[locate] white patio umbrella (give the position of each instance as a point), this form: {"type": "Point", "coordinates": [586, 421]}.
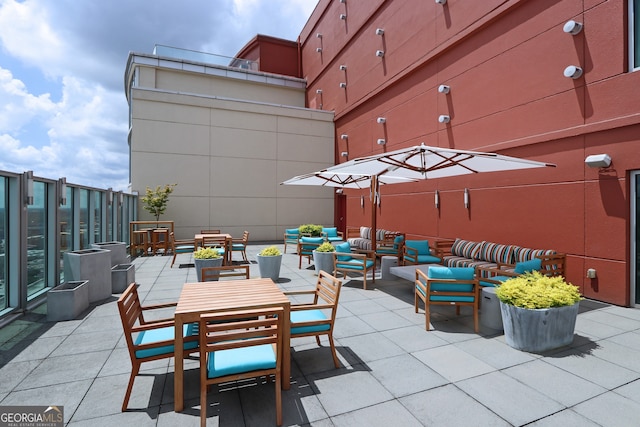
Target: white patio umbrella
{"type": "Point", "coordinates": [327, 178]}
{"type": "Point", "coordinates": [414, 163]}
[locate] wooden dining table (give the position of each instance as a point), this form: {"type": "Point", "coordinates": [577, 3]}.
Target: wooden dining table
{"type": "Point", "coordinates": [199, 241]}
{"type": "Point", "coordinates": [210, 297]}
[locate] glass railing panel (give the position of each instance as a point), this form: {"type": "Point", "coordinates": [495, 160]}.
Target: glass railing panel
{"type": "Point", "coordinates": [37, 240]}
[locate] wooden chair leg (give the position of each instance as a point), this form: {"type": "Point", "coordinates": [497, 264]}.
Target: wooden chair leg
{"type": "Point", "coordinates": [336, 362]}
{"type": "Point", "coordinates": [134, 372]}
{"type": "Point", "coordinates": [278, 398]}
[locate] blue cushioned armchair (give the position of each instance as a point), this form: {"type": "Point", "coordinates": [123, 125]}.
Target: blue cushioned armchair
{"type": "Point", "coordinates": [186, 246]}
{"type": "Point", "coordinates": [447, 286]}
{"type": "Point", "coordinates": [419, 252]}
{"type": "Point", "coordinates": [345, 261]}
{"type": "Point", "coordinates": [331, 234]}
{"type": "Point", "coordinates": [493, 277]}
{"type": "Point", "coordinates": [291, 236]}
{"type": "Point", "coordinates": [391, 245]}
{"type": "Point", "coordinates": [306, 246]}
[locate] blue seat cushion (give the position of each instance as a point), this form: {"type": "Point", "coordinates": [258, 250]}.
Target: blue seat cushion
{"type": "Point", "coordinates": [531, 265]}
{"type": "Point", "coordinates": [184, 248]}
{"type": "Point", "coordinates": [238, 360]}
{"type": "Point", "coordinates": [344, 248]}
{"type": "Point", "coordinates": [498, 278]}
{"type": "Point", "coordinates": [238, 247]}
{"type": "Point", "coordinates": [354, 266]}
{"type": "Point", "coordinates": [428, 259]}
{"type": "Point", "coordinates": [164, 334]}
{"type": "Point", "coordinates": [331, 231]}
{"type": "Point", "coordinates": [437, 298]}
{"type": "Point", "coordinates": [422, 246]}
{"type": "Point", "coordinates": [308, 316]}
{"type": "Point", "coordinates": [451, 273]}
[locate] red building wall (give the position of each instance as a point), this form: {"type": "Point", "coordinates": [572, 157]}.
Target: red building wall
{"type": "Point", "coordinates": [504, 62]}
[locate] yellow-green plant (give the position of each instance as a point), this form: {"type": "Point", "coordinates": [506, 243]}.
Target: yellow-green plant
{"type": "Point", "coordinates": [206, 253]}
{"type": "Point", "coordinates": [326, 247]}
{"type": "Point", "coordinates": [535, 290]}
{"type": "Point", "coordinates": [270, 251]}
{"type": "Point", "coordinates": [311, 230]}
{"type": "Point", "coordinates": [155, 201]}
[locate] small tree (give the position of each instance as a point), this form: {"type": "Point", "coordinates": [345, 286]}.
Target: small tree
{"type": "Point", "coordinates": [155, 201]}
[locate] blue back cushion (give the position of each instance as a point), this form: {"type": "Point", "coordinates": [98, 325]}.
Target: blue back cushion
{"type": "Point", "coordinates": [292, 231]}
{"type": "Point", "coordinates": [315, 240]}
{"type": "Point", "coordinates": [422, 246]}
{"type": "Point", "coordinates": [331, 231]}
{"type": "Point", "coordinates": [451, 273]}
{"type": "Point", "coordinates": [397, 241]}
{"type": "Point", "coordinates": [344, 248]}
{"type": "Point", "coordinates": [524, 266]}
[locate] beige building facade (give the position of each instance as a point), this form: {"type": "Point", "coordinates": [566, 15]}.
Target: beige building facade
{"type": "Point", "coordinates": [227, 137]}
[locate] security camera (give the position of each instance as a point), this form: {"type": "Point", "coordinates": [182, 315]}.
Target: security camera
{"type": "Point", "coordinates": [379, 32]}
{"type": "Point", "coordinates": [572, 27]}
{"type": "Point", "coordinates": [319, 91]}
{"type": "Point", "coordinates": [318, 49]}
{"type": "Point", "coordinates": [573, 72]}
{"type": "Point", "coordinates": [319, 35]}
{"type": "Point", "coordinates": [381, 120]}
{"type": "Point", "coordinates": [343, 68]}
{"type": "Point", "coordinates": [344, 136]}
{"type": "Point", "coordinates": [343, 16]}
{"type": "Point", "coordinates": [444, 89]}
{"type": "Point", "coordinates": [343, 85]}
{"type": "Point", "coordinates": [380, 53]}
{"type": "Point", "coordinates": [344, 154]}
{"type": "Point", "coordinates": [444, 119]}
{"type": "Point", "coordinates": [441, 1]}
{"type": "Point", "coordinates": [382, 141]}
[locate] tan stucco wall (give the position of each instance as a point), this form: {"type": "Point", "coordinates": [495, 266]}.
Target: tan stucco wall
{"type": "Point", "coordinates": [228, 156]}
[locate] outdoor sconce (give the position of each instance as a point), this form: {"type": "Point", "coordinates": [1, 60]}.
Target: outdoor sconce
{"type": "Point", "coordinates": [343, 1]}
{"type": "Point", "coordinates": [343, 68]}
{"type": "Point", "coordinates": [436, 199]}
{"type": "Point", "coordinates": [379, 53]}
{"type": "Point", "coordinates": [28, 184]}
{"type": "Point", "coordinates": [339, 191]}
{"type": "Point", "coordinates": [379, 32]}
{"type": "Point", "coordinates": [343, 85]}
{"type": "Point", "coordinates": [465, 197]}
{"type": "Point", "coordinates": [344, 136]}
{"type": "Point", "coordinates": [382, 141]}
{"type": "Point", "coordinates": [381, 120]}
{"type": "Point", "coordinates": [344, 153]}
{"type": "Point", "coordinates": [598, 161]}
{"type": "Point", "coordinates": [572, 27]}
{"type": "Point", "coordinates": [343, 16]}
{"type": "Point", "coordinates": [362, 202]}
{"type": "Point", "coordinates": [120, 198]}
{"type": "Point", "coordinates": [444, 89]}
{"type": "Point", "coordinates": [62, 185]}
{"type": "Point", "coordinates": [319, 49]}
{"type": "Point", "coordinates": [573, 71]}
{"type": "Point", "coordinates": [441, 1]}
{"type": "Point", "coordinates": [110, 196]}
{"type": "Point", "coordinates": [319, 91]}
{"type": "Point", "coordinates": [319, 35]}
{"type": "Point", "coordinates": [444, 118]}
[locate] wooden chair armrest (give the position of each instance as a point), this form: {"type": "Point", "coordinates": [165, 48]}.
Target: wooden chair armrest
{"type": "Point", "coordinates": [308, 292]}
{"type": "Point", "coordinates": [300, 307]}
{"type": "Point", "coordinates": [157, 306]}
{"type": "Point", "coordinates": [154, 324]}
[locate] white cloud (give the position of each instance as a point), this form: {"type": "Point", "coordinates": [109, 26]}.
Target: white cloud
{"type": "Point", "coordinates": [81, 47]}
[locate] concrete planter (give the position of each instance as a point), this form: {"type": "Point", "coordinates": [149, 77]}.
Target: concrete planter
{"type": "Point", "coordinates": [67, 301]}
{"type": "Point", "coordinates": [269, 266]}
{"type": "Point", "coordinates": [122, 275]}
{"type": "Point", "coordinates": [118, 251]}
{"type": "Point", "coordinates": [538, 330]}
{"type": "Point", "coordinates": [93, 265]}
{"type": "Point", "coordinates": [200, 263]}
{"type": "Point", "coordinates": [323, 261]}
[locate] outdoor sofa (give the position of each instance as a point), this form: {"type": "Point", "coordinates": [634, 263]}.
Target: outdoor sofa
{"type": "Point", "coordinates": [360, 238]}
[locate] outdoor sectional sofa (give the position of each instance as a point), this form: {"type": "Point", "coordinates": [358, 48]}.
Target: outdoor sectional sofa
{"type": "Point", "coordinates": [360, 238]}
{"type": "Point", "coordinates": [466, 253]}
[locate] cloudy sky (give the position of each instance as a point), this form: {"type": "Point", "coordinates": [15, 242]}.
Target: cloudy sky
{"type": "Point", "coordinates": [63, 110]}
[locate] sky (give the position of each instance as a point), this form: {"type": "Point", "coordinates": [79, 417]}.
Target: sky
{"type": "Point", "coordinates": [63, 110]}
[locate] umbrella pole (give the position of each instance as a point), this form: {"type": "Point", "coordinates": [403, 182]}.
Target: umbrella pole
{"type": "Point", "coordinates": [374, 191]}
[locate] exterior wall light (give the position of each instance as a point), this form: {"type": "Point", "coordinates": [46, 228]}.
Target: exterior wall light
{"type": "Point", "coordinates": [343, 85]}
{"type": "Point", "coordinates": [319, 35]}
{"type": "Point", "coordinates": [572, 27]}
{"type": "Point", "coordinates": [28, 187]}
{"type": "Point", "coordinates": [343, 68]}
{"type": "Point", "coordinates": [319, 91]}
{"type": "Point", "coordinates": [319, 49]}
{"type": "Point", "coordinates": [441, 1]}
{"type": "Point", "coordinates": [573, 71]}
{"type": "Point", "coordinates": [382, 141]}
{"type": "Point", "coordinates": [343, 16]}
{"type": "Point", "coordinates": [380, 53]}
{"type": "Point", "coordinates": [381, 120]}
{"type": "Point", "coordinates": [344, 136]}
{"type": "Point", "coordinates": [379, 32]}
{"type": "Point", "coordinates": [444, 118]}
{"type": "Point", "coordinates": [62, 184]}
{"type": "Point", "coordinates": [465, 198]}
{"type": "Point", "coordinates": [344, 153]}
{"type": "Point", "coordinates": [598, 161]}
{"type": "Point", "coordinates": [444, 89]}
{"type": "Point", "coordinates": [436, 199]}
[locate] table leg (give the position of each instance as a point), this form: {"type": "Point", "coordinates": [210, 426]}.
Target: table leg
{"type": "Point", "coordinates": [178, 375]}
{"type": "Point", "coordinates": [286, 348]}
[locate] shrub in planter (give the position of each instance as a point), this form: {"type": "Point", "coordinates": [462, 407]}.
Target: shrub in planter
{"type": "Point", "coordinates": [269, 261]}
{"type": "Point", "coordinates": [310, 230]}
{"type": "Point", "coordinates": [323, 257]}
{"type": "Point", "coordinates": [538, 312]}
{"type": "Point", "coordinates": [206, 257]}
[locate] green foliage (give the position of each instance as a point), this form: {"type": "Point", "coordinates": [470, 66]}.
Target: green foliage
{"type": "Point", "coordinates": [206, 253]}
{"type": "Point", "coordinates": [270, 251]}
{"type": "Point", "coordinates": [155, 201]}
{"type": "Point", "coordinates": [535, 290]}
{"type": "Point", "coordinates": [326, 247]}
{"type": "Point", "coordinates": [310, 230]}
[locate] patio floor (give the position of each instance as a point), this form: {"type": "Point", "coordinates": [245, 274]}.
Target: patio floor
{"type": "Point", "coordinates": [394, 372]}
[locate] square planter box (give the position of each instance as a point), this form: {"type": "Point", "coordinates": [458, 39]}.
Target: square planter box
{"type": "Point", "coordinates": [122, 275]}
{"type": "Point", "coordinates": [67, 301]}
{"type": "Point", "coordinates": [118, 251]}
{"type": "Point", "coordinates": [93, 265]}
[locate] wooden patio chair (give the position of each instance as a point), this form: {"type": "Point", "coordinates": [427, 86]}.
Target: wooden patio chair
{"type": "Point", "coordinates": [240, 245]}
{"type": "Point", "coordinates": [237, 345]}
{"type": "Point", "coordinates": [456, 286]}
{"type": "Point", "coordinates": [310, 318]}
{"type": "Point", "coordinates": [291, 236]}
{"type": "Point", "coordinates": [208, 274]}
{"type": "Point", "coordinates": [220, 243]}
{"type": "Point", "coordinates": [183, 246]}
{"type": "Point", "coordinates": [306, 246]}
{"type": "Point", "coordinates": [345, 261]}
{"type": "Point", "coordinates": [149, 340]}
{"type": "Point", "coordinates": [210, 231]}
